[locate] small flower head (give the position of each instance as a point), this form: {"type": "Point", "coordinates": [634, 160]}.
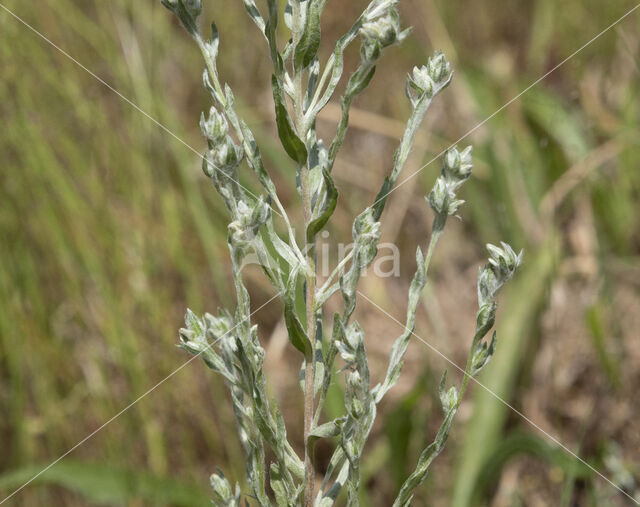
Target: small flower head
{"type": "Point", "coordinates": [449, 399]}
{"type": "Point", "coordinates": [215, 128]}
{"type": "Point", "coordinates": [384, 30]}
{"type": "Point", "coordinates": [504, 261]}
{"type": "Point", "coordinates": [380, 29]}
{"type": "Point", "coordinates": [353, 343]}
{"type": "Point", "coordinates": [439, 68]}
{"type": "Point", "coordinates": [430, 79]}
{"type": "Point", "coordinates": [442, 197]}
{"type": "Point", "coordinates": [223, 155]}
{"type": "Point", "coordinates": [247, 220]}
{"type": "Point", "coordinates": [366, 234]}
{"type": "Point", "coordinates": [457, 165]}
{"type": "Point", "coordinates": [501, 267]}
{"type": "Point", "coordinates": [192, 338]}
{"type": "Point", "coordinates": [456, 169]}
{"type": "Point", "coordinates": [346, 352]}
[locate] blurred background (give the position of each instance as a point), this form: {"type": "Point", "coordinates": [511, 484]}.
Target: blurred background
{"type": "Point", "coordinates": [109, 231]}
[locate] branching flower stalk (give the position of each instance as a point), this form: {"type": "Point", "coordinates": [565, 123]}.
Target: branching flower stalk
{"type": "Point", "coordinates": [302, 87]}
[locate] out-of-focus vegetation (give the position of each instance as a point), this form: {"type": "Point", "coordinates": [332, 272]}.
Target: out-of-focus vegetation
{"type": "Point", "coordinates": [100, 251]}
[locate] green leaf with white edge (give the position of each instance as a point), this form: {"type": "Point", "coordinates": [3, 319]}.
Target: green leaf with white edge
{"type": "Point", "coordinates": [381, 198]}
{"type": "Point", "coordinates": [193, 322]}
{"type": "Point", "coordinates": [307, 48]}
{"type": "Point", "coordinates": [270, 32]}
{"type": "Point", "coordinates": [330, 201]}
{"type": "Point", "coordinates": [276, 481]}
{"type": "Point", "coordinates": [482, 355]}
{"type": "Point", "coordinates": [187, 12]}
{"type": "Point", "coordinates": [254, 14]}
{"type": "Point", "coordinates": [281, 247]}
{"type": "Point", "coordinates": [326, 430]}
{"type": "Point", "coordinates": [292, 144]}
{"type": "Point", "coordinates": [297, 335]}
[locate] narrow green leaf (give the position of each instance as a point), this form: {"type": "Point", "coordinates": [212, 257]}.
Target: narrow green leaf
{"type": "Point", "coordinates": [360, 80]}
{"type": "Point", "coordinates": [297, 334]}
{"type": "Point", "coordinates": [270, 33]}
{"type": "Point", "coordinates": [327, 430]}
{"type": "Point", "coordinates": [328, 208]}
{"type": "Point", "coordinates": [381, 198]}
{"type": "Point", "coordinates": [277, 484]}
{"type": "Point", "coordinates": [187, 14]}
{"type": "Point", "coordinates": [307, 48]}
{"type": "Point", "coordinates": [254, 14]}
{"type": "Point", "coordinates": [292, 144]}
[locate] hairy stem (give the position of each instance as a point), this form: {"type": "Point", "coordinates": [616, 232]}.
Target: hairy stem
{"type": "Point", "coordinates": [310, 274]}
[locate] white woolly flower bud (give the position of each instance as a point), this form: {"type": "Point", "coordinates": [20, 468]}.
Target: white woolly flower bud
{"type": "Point", "coordinates": [438, 67]}
{"type": "Point", "coordinates": [449, 399]}
{"type": "Point", "coordinates": [442, 197]}
{"type": "Point", "coordinates": [381, 28]}
{"type": "Point", "coordinates": [215, 128]}
{"type": "Point", "coordinates": [504, 261]}
{"type": "Point", "coordinates": [430, 79]}
{"type": "Point", "coordinates": [247, 221]}
{"type": "Point", "coordinates": [366, 234]}
{"type": "Point", "coordinates": [421, 81]}
{"type": "Point", "coordinates": [457, 165]}
{"type": "Point", "coordinates": [501, 267]}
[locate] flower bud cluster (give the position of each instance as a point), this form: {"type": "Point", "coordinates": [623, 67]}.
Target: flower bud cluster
{"type": "Point", "coordinates": [198, 335]}
{"type": "Point", "coordinates": [430, 79]}
{"type": "Point", "coordinates": [366, 234]}
{"type": "Point", "coordinates": [501, 267]}
{"type": "Point", "coordinates": [247, 219]}
{"type": "Point", "coordinates": [482, 354]}
{"type": "Point", "coordinates": [215, 128]}
{"type": "Point", "coordinates": [353, 341]}
{"type": "Point", "coordinates": [352, 351]}
{"type": "Point", "coordinates": [355, 394]}
{"type": "Point", "coordinates": [456, 169]}
{"type": "Point", "coordinates": [223, 495]}
{"type": "Point", "coordinates": [504, 261]}
{"type": "Point", "coordinates": [380, 29]}
{"type": "Point", "coordinates": [448, 399]}
{"type": "Point", "coordinates": [223, 155]}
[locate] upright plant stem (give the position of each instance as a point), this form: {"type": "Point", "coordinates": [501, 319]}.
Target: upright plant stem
{"type": "Point", "coordinates": [309, 371]}
{"type": "Point", "coordinates": [310, 275]}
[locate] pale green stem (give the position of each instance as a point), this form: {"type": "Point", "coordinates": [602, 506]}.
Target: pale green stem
{"type": "Point", "coordinates": [310, 272]}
